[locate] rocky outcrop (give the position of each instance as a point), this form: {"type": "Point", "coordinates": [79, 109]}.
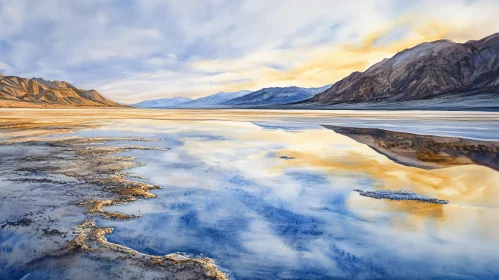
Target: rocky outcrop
{"type": "Point", "coordinates": [400, 195]}
{"type": "Point", "coordinates": [37, 92]}
{"type": "Point", "coordinates": [425, 71]}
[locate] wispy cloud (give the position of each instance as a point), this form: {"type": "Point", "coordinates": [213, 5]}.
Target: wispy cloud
{"type": "Point", "coordinates": [134, 50]}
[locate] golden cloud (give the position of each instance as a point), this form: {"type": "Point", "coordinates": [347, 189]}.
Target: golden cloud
{"type": "Point", "coordinates": [309, 67]}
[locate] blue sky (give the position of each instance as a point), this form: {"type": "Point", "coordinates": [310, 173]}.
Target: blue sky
{"type": "Point", "coordinates": [136, 50]}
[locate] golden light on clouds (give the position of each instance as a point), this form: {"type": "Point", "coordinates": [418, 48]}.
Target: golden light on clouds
{"type": "Point", "coordinates": [317, 66]}
{"type": "Point", "coordinates": [271, 44]}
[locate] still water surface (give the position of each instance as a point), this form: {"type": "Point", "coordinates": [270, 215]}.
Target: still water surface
{"type": "Point", "coordinates": [274, 199]}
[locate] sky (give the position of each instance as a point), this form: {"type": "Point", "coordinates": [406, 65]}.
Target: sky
{"type": "Point", "coordinates": [137, 50]}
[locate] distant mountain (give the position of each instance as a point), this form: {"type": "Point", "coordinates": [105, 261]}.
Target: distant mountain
{"type": "Point", "coordinates": [274, 96]}
{"type": "Point", "coordinates": [37, 92]}
{"type": "Point", "coordinates": [318, 90]}
{"type": "Point", "coordinates": [429, 70]}
{"type": "Point", "coordinates": [213, 100]}
{"type": "Point", "coordinates": [162, 103]}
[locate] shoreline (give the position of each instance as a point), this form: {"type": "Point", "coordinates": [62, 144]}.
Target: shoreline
{"type": "Point", "coordinates": [87, 164]}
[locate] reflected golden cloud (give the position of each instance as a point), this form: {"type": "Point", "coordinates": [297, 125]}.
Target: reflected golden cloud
{"type": "Point", "coordinates": [469, 188]}
{"type": "Point", "coordinates": [468, 184]}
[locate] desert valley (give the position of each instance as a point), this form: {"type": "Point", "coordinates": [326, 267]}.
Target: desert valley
{"type": "Point", "coordinates": [390, 171]}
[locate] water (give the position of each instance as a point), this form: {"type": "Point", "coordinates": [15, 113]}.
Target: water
{"type": "Point", "coordinates": [227, 194]}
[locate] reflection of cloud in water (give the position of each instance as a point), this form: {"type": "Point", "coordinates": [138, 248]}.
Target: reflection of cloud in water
{"type": "Point", "coordinates": [263, 217]}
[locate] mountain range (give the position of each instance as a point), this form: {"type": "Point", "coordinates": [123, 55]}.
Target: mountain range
{"type": "Point", "coordinates": [434, 75]}
{"type": "Point", "coordinates": [213, 100]}
{"type": "Point", "coordinates": [439, 69]}
{"type": "Point", "coordinates": [37, 92]}
{"type": "Point", "coordinates": [239, 99]}
{"type": "Point", "coordinates": [163, 103]}
{"type": "Point", "coordinates": [273, 96]}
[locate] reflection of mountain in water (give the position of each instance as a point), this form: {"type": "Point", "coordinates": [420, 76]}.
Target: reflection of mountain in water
{"type": "Point", "coordinates": [425, 151]}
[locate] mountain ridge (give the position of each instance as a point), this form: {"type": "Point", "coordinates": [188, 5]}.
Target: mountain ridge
{"type": "Point", "coordinates": [37, 92]}
{"type": "Point", "coordinates": [214, 99]}
{"type": "Point", "coordinates": [170, 102]}
{"type": "Point", "coordinates": [240, 99]}
{"type": "Point", "coordinates": [274, 96]}
{"type": "Point", "coordinates": [424, 71]}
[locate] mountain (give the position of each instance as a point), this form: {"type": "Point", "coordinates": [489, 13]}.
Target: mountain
{"type": "Point", "coordinates": [317, 90]}
{"type": "Point", "coordinates": [214, 99]}
{"type": "Point", "coordinates": [37, 92]}
{"type": "Point", "coordinates": [274, 96]}
{"type": "Point", "coordinates": [429, 70]}
{"type": "Point", "coordinates": [162, 103]}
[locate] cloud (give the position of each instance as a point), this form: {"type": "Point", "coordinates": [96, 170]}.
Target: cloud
{"type": "Point", "coordinates": [319, 65]}
{"type": "Point", "coordinates": [126, 43]}
{"type": "Point", "coordinates": [134, 50]}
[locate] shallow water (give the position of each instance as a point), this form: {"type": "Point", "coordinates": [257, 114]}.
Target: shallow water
{"type": "Point", "coordinates": [273, 198]}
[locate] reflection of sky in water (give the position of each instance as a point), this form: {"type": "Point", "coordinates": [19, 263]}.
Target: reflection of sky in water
{"type": "Point", "coordinates": [228, 195]}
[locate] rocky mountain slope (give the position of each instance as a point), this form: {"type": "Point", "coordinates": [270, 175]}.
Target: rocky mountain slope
{"type": "Point", "coordinates": [163, 103]}
{"type": "Point", "coordinates": [214, 99]}
{"type": "Point", "coordinates": [274, 96]}
{"type": "Point", "coordinates": [426, 71]}
{"type": "Point", "coordinates": [37, 92]}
